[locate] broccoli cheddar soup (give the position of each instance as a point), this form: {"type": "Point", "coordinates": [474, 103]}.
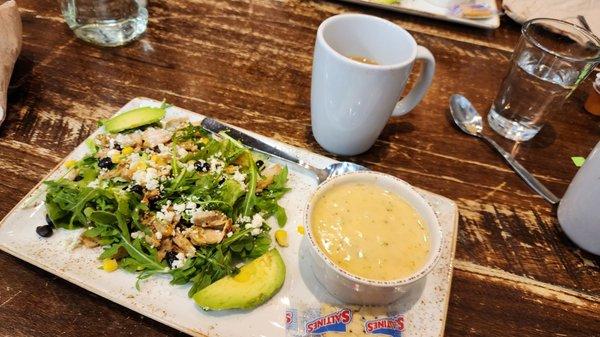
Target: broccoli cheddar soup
{"type": "Point", "coordinates": [370, 232]}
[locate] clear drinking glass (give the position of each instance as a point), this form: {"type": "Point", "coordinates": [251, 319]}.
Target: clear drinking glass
{"type": "Point", "coordinates": [551, 59]}
{"type": "Point", "coordinates": [107, 23]}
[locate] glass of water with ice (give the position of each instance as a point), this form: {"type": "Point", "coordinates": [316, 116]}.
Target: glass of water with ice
{"type": "Point", "coordinates": [107, 23]}
{"type": "Point", "coordinates": [551, 59]}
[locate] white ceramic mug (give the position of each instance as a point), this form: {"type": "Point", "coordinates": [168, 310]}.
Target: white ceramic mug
{"type": "Point", "coordinates": [579, 211]}
{"type": "Point", "coordinates": [352, 101]}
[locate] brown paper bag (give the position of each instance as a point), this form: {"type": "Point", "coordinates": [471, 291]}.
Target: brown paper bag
{"type": "Point", "coordinates": [10, 47]}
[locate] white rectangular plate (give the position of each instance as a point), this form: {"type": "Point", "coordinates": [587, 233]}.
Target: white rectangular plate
{"type": "Point", "coordinates": [428, 10]}
{"type": "Point", "coordinates": [170, 304]}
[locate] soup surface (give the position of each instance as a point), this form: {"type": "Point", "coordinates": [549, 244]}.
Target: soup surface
{"type": "Point", "coordinates": [370, 232]}
{"type": "Point", "coordinates": [363, 59]}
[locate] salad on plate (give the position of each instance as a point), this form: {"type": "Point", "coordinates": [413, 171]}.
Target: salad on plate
{"type": "Point", "coordinates": [163, 196]}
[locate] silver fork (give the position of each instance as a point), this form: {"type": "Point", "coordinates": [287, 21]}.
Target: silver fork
{"type": "Point", "coordinates": [321, 174]}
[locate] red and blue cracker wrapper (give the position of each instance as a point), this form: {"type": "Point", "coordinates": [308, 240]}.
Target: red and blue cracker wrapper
{"type": "Point", "coordinates": [342, 321]}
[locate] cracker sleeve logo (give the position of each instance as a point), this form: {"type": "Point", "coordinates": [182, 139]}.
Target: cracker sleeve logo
{"type": "Point", "coordinates": [334, 322]}
{"type": "Point", "coordinates": [291, 319]}
{"type": "Point", "coordinates": [389, 326]}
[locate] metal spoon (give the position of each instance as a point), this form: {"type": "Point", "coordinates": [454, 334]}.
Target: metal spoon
{"type": "Point", "coordinates": [321, 174]}
{"type": "Point", "coordinates": [469, 121]}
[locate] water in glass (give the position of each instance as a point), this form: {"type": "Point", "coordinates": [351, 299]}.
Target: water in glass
{"type": "Point", "coordinates": [550, 60]}
{"type": "Point", "coordinates": [106, 23]}
{"type": "Point", "coordinates": [529, 92]}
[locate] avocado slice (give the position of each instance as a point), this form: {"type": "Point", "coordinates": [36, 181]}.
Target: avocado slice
{"type": "Point", "coordinates": [256, 282]}
{"type": "Point", "coordinates": [134, 118]}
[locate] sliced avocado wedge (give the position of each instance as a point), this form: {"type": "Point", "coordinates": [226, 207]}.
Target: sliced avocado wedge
{"type": "Point", "coordinates": [134, 118]}
{"type": "Point", "coordinates": [256, 282]}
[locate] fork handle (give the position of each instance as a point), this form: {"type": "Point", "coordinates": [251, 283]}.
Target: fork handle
{"type": "Point", "coordinates": [215, 126]}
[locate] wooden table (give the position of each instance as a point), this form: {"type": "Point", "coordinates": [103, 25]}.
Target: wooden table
{"type": "Point", "coordinates": [249, 63]}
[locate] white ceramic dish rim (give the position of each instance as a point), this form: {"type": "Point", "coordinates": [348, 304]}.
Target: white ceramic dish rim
{"type": "Point", "coordinates": [422, 272]}
{"type": "Point", "coordinates": [491, 23]}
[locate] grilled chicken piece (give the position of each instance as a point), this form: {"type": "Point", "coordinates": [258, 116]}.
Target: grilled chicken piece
{"type": "Point", "coordinates": [211, 219]}
{"type": "Point", "coordinates": [184, 244]}
{"type": "Point", "coordinates": [269, 174]}
{"type": "Point", "coordinates": [152, 240]}
{"type": "Point", "coordinates": [152, 137]}
{"type": "Point", "coordinates": [165, 246]}
{"type": "Point", "coordinates": [210, 227]}
{"type": "Point", "coordinates": [175, 123]}
{"type": "Point", "coordinates": [89, 242]}
{"type": "Point", "coordinates": [149, 195]}
{"type": "Point", "coordinates": [120, 171]}
{"type": "Point", "coordinates": [201, 236]}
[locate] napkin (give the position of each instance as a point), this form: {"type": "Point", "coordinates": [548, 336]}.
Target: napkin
{"type": "Point", "coordinates": [567, 10]}
{"type": "Point", "coordinates": [10, 47]}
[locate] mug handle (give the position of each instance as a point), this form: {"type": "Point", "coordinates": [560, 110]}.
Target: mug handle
{"type": "Point", "coordinates": [415, 96]}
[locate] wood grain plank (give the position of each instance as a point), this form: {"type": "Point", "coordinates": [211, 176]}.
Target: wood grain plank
{"type": "Point", "coordinates": [35, 303]}
{"type": "Point", "coordinates": [489, 305]}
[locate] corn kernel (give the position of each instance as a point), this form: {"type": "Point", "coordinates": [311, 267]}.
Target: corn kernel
{"type": "Point", "coordinates": [140, 166]}
{"type": "Point", "coordinates": [127, 150]}
{"type": "Point", "coordinates": [281, 236]}
{"type": "Point", "coordinates": [70, 163]}
{"type": "Point", "coordinates": [110, 265]}
{"type": "Point", "coordinates": [230, 169]}
{"type": "Point", "coordinates": [158, 159]}
{"type": "Point", "coordinates": [116, 158]}
{"type": "Point", "coordinates": [204, 140]}
{"type": "Point", "coordinates": [300, 230]}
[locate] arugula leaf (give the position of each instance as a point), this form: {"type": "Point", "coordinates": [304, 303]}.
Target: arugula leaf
{"type": "Point", "coordinates": [267, 200]}
{"type": "Point", "coordinates": [249, 200]}
{"type": "Point", "coordinates": [230, 192]}
{"type": "Point", "coordinates": [144, 261]}
{"type": "Point", "coordinates": [103, 218]}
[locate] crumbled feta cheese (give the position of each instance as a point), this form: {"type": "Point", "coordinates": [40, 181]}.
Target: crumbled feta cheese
{"type": "Point", "coordinates": [166, 216]}
{"type": "Point", "coordinates": [158, 235]}
{"type": "Point", "coordinates": [256, 231]}
{"type": "Point", "coordinates": [112, 153]}
{"type": "Point", "coordinates": [239, 177]}
{"type": "Point", "coordinates": [179, 261]}
{"type": "Point", "coordinates": [243, 219]}
{"type": "Point", "coordinates": [133, 159]}
{"type": "Point", "coordinates": [190, 205]}
{"type": "Point", "coordinates": [151, 173]}
{"type": "Point", "coordinates": [137, 234]}
{"type": "Point", "coordinates": [229, 234]}
{"type": "Point", "coordinates": [139, 177]}
{"type": "Point", "coordinates": [181, 151]}
{"type": "Point", "coordinates": [94, 183]}
{"type": "Point", "coordinates": [257, 221]}
{"type": "Point", "coordinates": [152, 184]}
{"type": "Point", "coordinates": [179, 208]}
{"type": "Point", "coordinates": [162, 148]}
{"type": "Point", "coordinates": [190, 167]}
{"type": "Point", "coordinates": [216, 165]}
{"type": "Point", "coordinates": [147, 178]}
